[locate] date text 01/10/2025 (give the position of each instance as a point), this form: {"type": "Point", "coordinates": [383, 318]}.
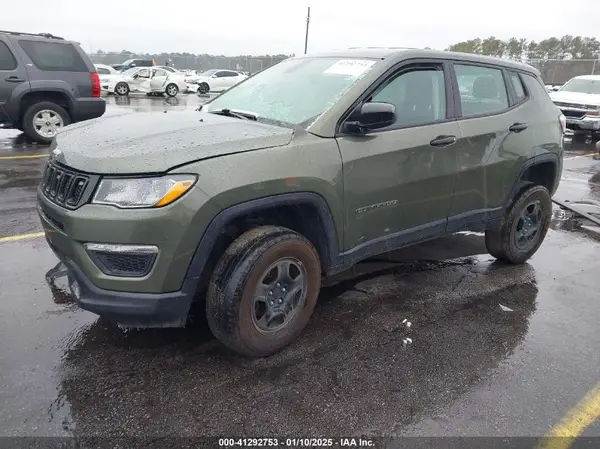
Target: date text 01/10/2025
{"type": "Point", "coordinates": [295, 442]}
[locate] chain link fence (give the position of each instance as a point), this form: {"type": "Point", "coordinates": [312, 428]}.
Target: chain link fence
{"type": "Point", "coordinates": [559, 71]}
{"type": "Point", "coordinates": [553, 71]}
{"type": "Point", "coordinates": [251, 64]}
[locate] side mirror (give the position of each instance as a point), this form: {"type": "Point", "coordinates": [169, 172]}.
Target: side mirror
{"type": "Point", "coordinates": [372, 115]}
{"type": "Point", "coordinates": [132, 64]}
{"type": "Point", "coordinates": [555, 88]}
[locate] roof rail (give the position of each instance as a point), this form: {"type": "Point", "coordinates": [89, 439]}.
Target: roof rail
{"type": "Point", "coordinates": [46, 35]}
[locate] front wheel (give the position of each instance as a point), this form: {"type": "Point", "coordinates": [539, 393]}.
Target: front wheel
{"type": "Point", "coordinates": [172, 90]}
{"type": "Point", "coordinates": [203, 88]}
{"type": "Point", "coordinates": [122, 88]}
{"type": "Point", "coordinates": [263, 291]}
{"type": "Point", "coordinates": [523, 228]}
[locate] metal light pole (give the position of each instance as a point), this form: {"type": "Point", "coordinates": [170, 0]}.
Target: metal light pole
{"type": "Point", "coordinates": [306, 37]}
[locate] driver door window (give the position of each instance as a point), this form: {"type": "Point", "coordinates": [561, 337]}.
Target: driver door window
{"type": "Point", "coordinates": [419, 96]}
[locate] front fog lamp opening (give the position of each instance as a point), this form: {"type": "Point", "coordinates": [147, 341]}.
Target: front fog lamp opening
{"type": "Point", "coordinates": [143, 192]}
{"type": "Point", "coordinates": [122, 260]}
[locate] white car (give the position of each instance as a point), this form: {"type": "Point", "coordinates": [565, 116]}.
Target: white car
{"type": "Point", "coordinates": [216, 80]}
{"type": "Point", "coordinates": [183, 78]}
{"type": "Point", "coordinates": [109, 77]}
{"type": "Point", "coordinates": [149, 80]}
{"type": "Point", "coordinates": [579, 101]}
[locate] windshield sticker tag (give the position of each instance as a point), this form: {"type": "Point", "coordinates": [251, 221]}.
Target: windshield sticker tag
{"type": "Point", "coordinates": [352, 67]}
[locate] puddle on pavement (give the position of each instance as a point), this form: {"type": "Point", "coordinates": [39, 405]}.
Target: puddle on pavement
{"type": "Point", "coordinates": [109, 378]}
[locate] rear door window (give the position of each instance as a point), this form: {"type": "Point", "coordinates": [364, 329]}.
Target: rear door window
{"type": "Point", "coordinates": [7, 59]}
{"type": "Point", "coordinates": [53, 56]}
{"type": "Point", "coordinates": [481, 89]}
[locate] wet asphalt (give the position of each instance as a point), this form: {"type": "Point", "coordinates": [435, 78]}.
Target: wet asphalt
{"type": "Point", "coordinates": [496, 350]}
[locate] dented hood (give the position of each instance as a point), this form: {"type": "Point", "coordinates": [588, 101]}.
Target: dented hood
{"type": "Point", "coordinates": [157, 141]}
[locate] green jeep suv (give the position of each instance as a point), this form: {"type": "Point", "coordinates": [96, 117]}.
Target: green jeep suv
{"type": "Point", "coordinates": [296, 174]}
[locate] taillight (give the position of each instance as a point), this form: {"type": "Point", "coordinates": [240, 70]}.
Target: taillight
{"type": "Point", "coordinates": [563, 123]}
{"type": "Point", "coordinates": [95, 80]}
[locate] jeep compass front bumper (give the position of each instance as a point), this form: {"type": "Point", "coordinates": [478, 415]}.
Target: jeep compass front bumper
{"type": "Point", "coordinates": [131, 266]}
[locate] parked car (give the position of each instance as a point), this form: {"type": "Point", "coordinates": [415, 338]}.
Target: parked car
{"type": "Point", "coordinates": [579, 101]}
{"type": "Point", "coordinates": [183, 78]}
{"type": "Point", "coordinates": [109, 78]}
{"type": "Point", "coordinates": [130, 63]}
{"type": "Point", "coordinates": [216, 81]}
{"type": "Point", "coordinates": [150, 80]}
{"type": "Point", "coordinates": [104, 69]}
{"type": "Point", "coordinates": [47, 82]}
{"type": "Point", "coordinates": [247, 203]}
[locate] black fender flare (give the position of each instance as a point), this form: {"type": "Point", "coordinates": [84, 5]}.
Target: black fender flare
{"type": "Point", "coordinates": [553, 158]}
{"type": "Point", "coordinates": [38, 88]}
{"type": "Point", "coordinates": [209, 238]}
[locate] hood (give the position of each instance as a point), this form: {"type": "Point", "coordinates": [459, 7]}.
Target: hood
{"type": "Point", "coordinates": [154, 142]}
{"type": "Point", "coordinates": [576, 98]}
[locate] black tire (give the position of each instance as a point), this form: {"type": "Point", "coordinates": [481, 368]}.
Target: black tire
{"type": "Point", "coordinates": [172, 90]}
{"type": "Point", "coordinates": [203, 88]}
{"type": "Point", "coordinates": [27, 121]}
{"type": "Point", "coordinates": [122, 88]}
{"type": "Point", "coordinates": [502, 243]}
{"type": "Point", "coordinates": [230, 305]}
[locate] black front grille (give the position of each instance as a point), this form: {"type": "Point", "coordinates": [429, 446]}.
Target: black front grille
{"type": "Point", "coordinates": [573, 114]}
{"type": "Point", "coordinates": [64, 186]}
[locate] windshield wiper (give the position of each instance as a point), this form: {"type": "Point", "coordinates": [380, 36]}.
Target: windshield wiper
{"type": "Point", "coordinates": [237, 114]}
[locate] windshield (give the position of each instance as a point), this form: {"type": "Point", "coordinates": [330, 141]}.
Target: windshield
{"type": "Point", "coordinates": [209, 73]}
{"type": "Point", "coordinates": [129, 61]}
{"type": "Point", "coordinates": [582, 86]}
{"type": "Point", "coordinates": [294, 91]}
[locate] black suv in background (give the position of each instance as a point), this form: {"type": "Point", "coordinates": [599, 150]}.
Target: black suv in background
{"type": "Point", "coordinates": [46, 83]}
{"type": "Point", "coordinates": [134, 63]}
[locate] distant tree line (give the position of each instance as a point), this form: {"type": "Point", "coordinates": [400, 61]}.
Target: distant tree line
{"type": "Point", "coordinates": [192, 61]}
{"type": "Point", "coordinates": [566, 47]}
{"type": "Point", "coordinates": [558, 58]}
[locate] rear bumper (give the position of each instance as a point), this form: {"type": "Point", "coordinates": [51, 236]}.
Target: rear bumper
{"type": "Point", "coordinates": [87, 109]}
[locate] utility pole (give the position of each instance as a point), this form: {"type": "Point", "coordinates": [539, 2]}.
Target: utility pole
{"type": "Point", "coordinates": [306, 37]}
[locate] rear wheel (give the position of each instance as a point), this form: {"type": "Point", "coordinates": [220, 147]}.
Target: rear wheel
{"type": "Point", "coordinates": [172, 90]}
{"type": "Point", "coordinates": [523, 228]}
{"type": "Point", "coordinates": [43, 120]}
{"type": "Point", "coordinates": [263, 291]}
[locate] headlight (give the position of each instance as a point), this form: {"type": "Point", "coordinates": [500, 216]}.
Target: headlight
{"type": "Point", "coordinates": [143, 192]}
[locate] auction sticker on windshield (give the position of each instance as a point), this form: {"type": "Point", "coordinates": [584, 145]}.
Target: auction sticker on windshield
{"type": "Point", "coordinates": [352, 67]}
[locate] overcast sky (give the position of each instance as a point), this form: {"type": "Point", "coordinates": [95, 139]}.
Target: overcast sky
{"type": "Point", "coordinates": [233, 27]}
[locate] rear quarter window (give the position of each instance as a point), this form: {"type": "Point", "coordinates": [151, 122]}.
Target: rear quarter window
{"type": "Point", "coordinates": [7, 59]}
{"type": "Point", "coordinates": [52, 56]}
{"type": "Point", "coordinates": [517, 85]}
{"type": "Point", "coordinates": [535, 87]}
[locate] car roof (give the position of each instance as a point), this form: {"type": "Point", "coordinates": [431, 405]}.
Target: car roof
{"type": "Point", "coordinates": [588, 77]}
{"type": "Point", "coordinates": [397, 54]}
{"type": "Point", "coordinates": [33, 36]}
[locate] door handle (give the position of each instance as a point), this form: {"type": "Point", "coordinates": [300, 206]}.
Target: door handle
{"type": "Point", "coordinates": [518, 127]}
{"type": "Point", "coordinates": [14, 79]}
{"type": "Point", "coordinates": [442, 141]}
